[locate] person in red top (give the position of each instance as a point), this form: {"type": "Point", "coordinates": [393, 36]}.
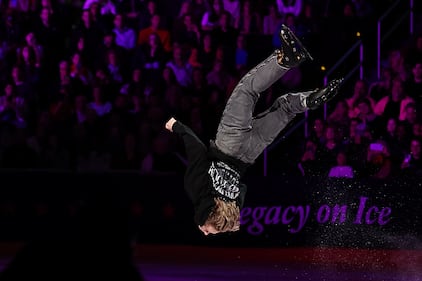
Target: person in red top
{"type": "Point", "coordinates": [155, 27]}
{"type": "Point", "coordinates": [213, 176]}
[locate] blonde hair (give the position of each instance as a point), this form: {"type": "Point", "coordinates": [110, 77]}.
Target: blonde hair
{"type": "Point", "coordinates": [225, 216]}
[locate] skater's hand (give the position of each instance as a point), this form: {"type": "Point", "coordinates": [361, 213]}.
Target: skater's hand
{"type": "Point", "coordinates": [170, 123]}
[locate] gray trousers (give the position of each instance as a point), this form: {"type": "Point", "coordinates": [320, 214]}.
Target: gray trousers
{"type": "Point", "coordinates": [244, 136]}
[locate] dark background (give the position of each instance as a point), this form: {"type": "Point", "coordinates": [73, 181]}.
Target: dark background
{"type": "Point", "coordinates": [125, 207]}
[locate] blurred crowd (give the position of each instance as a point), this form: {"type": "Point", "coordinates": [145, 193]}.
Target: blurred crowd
{"type": "Point", "coordinates": [88, 85]}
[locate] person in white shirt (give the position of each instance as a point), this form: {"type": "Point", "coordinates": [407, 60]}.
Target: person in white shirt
{"type": "Point", "coordinates": [342, 170]}
{"type": "Point", "coordinates": [125, 36]}
{"type": "Point", "coordinates": [100, 106]}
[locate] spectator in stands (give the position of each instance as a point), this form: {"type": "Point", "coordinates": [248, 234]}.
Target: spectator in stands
{"type": "Point", "coordinates": [339, 118]}
{"type": "Point", "coordinates": [136, 86]}
{"type": "Point", "coordinates": [199, 8]}
{"type": "Point", "coordinates": [64, 79]}
{"type": "Point", "coordinates": [11, 30]}
{"type": "Point", "coordinates": [102, 14]}
{"type": "Point", "coordinates": [402, 135]}
{"type": "Point", "coordinates": [360, 91]}
{"type": "Point", "coordinates": [207, 51]}
{"type": "Point", "coordinates": [309, 165]}
{"type": "Point", "coordinates": [116, 68]}
{"type": "Point", "coordinates": [92, 34]}
{"type": "Point", "coordinates": [34, 49]}
{"type": "Point", "coordinates": [250, 21]}
{"type": "Point", "coordinates": [317, 131]}
{"type": "Point", "coordinates": [81, 108]}
{"type": "Point", "coordinates": [30, 65]}
{"type": "Point", "coordinates": [155, 27]}
{"type": "Point", "coordinates": [412, 162]}
{"type": "Point", "coordinates": [46, 4]}
{"type": "Point", "coordinates": [79, 70]}
{"type": "Point", "coordinates": [210, 19]}
{"type": "Point", "coordinates": [108, 44]}
{"type": "Point", "coordinates": [391, 138]}
{"type": "Point", "coordinates": [199, 87]}
{"type": "Point", "coordinates": [397, 64]}
{"type": "Point", "coordinates": [81, 48]}
{"type": "Point", "coordinates": [225, 33]}
{"type": "Point", "coordinates": [146, 12]}
{"type": "Point", "coordinates": [271, 21]}
{"type": "Point", "coordinates": [342, 169]}
{"type": "Point", "coordinates": [181, 67]}
{"type": "Point", "coordinates": [187, 32]}
{"type": "Point", "coordinates": [393, 106]}
{"type": "Point", "coordinates": [234, 8]}
{"type": "Point", "coordinates": [7, 103]}
{"type": "Point", "coordinates": [382, 87]}
{"type": "Point", "coordinates": [194, 58]}
{"type": "Point", "coordinates": [124, 36]}
{"type": "Point", "coordinates": [368, 120]}
{"type": "Point", "coordinates": [378, 163]}
{"type": "Point", "coordinates": [414, 86]}
{"type": "Point", "coordinates": [414, 53]}
{"type": "Point", "coordinates": [171, 89]}
{"type": "Point", "coordinates": [340, 115]}
{"type": "Point", "coordinates": [106, 6]}
{"type": "Point", "coordinates": [50, 36]}
{"type": "Point", "coordinates": [152, 58]}
{"type": "Point", "coordinates": [327, 153]}
{"type": "Point", "coordinates": [410, 118]}
{"type": "Point", "coordinates": [293, 7]}
{"type": "Point", "coordinates": [99, 104]}
{"type": "Point", "coordinates": [241, 53]}
{"type": "Point", "coordinates": [417, 130]}
{"type": "Point", "coordinates": [24, 89]}
{"type": "Point", "coordinates": [185, 8]}
{"type": "Point", "coordinates": [218, 76]}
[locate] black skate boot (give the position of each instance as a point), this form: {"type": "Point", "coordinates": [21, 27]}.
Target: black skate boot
{"type": "Point", "coordinates": [319, 97]}
{"type": "Point", "coordinates": [292, 52]}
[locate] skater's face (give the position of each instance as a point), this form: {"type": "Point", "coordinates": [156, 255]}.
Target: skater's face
{"type": "Point", "coordinates": [208, 229]}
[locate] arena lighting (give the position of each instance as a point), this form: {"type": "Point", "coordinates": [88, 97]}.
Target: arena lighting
{"type": "Point", "coordinates": [358, 34]}
{"type": "Point", "coordinates": [323, 68]}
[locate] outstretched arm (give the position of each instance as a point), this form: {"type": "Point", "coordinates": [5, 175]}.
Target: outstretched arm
{"type": "Point", "coordinates": [196, 176]}
{"type": "Point", "coordinates": [195, 149]}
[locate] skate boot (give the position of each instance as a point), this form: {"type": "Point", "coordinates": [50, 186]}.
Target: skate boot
{"type": "Point", "coordinates": [292, 52]}
{"type": "Point", "coordinates": [321, 96]}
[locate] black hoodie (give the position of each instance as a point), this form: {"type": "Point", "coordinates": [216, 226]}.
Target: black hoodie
{"type": "Point", "coordinates": [210, 174]}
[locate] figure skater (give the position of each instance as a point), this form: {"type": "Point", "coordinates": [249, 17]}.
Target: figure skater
{"type": "Point", "coordinates": [213, 176]}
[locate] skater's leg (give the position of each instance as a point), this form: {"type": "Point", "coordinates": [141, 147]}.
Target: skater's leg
{"type": "Point", "coordinates": [236, 121]}
{"type": "Point", "coordinates": [268, 124]}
